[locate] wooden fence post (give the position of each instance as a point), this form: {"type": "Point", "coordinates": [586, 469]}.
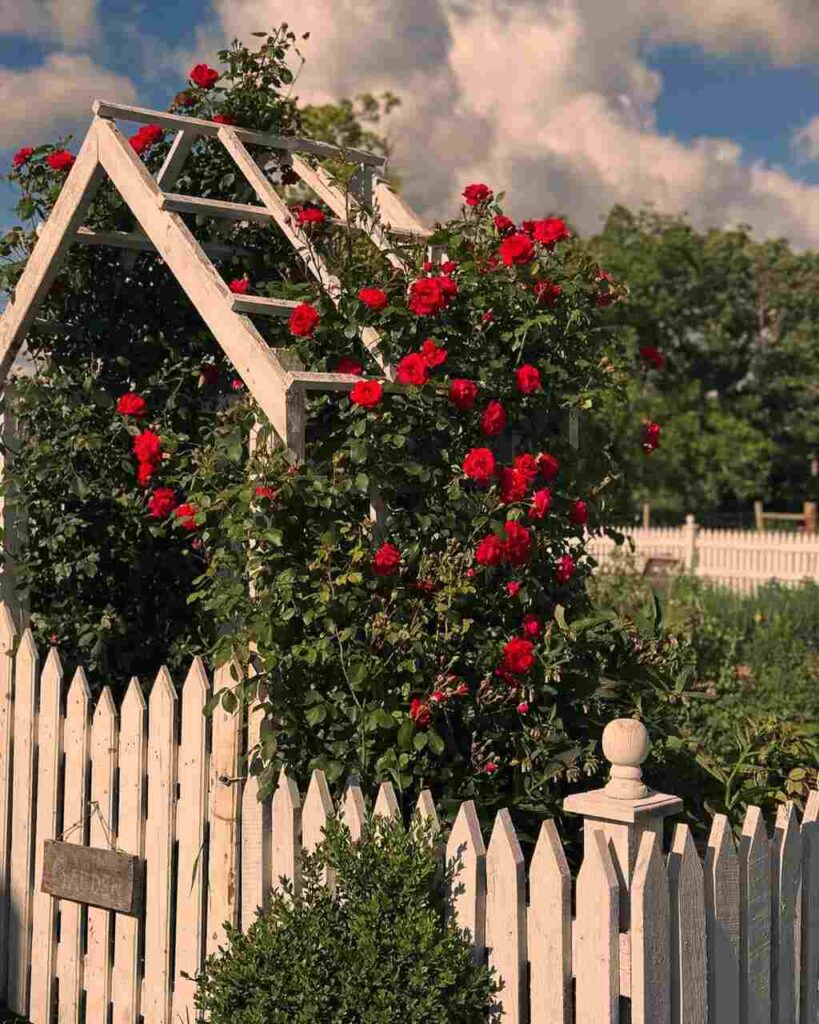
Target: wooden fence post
{"type": "Point", "coordinates": [759, 518]}
{"type": "Point", "coordinates": [690, 551]}
{"type": "Point", "coordinates": [811, 521]}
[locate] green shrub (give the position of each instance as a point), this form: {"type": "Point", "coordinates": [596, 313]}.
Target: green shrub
{"type": "Point", "coordinates": [377, 948]}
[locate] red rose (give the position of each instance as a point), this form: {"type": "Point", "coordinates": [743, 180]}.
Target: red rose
{"type": "Point", "coordinates": [426, 296]}
{"type": "Point", "coordinates": [488, 317]}
{"type": "Point", "coordinates": [413, 369]}
{"type": "Point", "coordinates": [151, 133]}
{"type": "Point", "coordinates": [432, 354]}
{"type": "Point", "coordinates": [528, 226]}
{"type": "Point", "coordinates": [210, 374]}
{"type": "Point", "coordinates": [479, 465]}
{"type": "Point", "coordinates": [527, 379]}
{"type": "Point", "coordinates": [523, 707]}
{"type": "Point", "coordinates": [22, 156]}
{"type": "Point", "coordinates": [651, 436]}
{"type": "Point", "coordinates": [490, 551]}
{"type": "Point", "coordinates": [448, 267]}
{"type": "Point", "coordinates": [262, 491]}
{"type": "Point", "coordinates": [419, 712]}
{"type": "Point", "coordinates": [387, 560]}
{"type": "Point", "coordinates": [550, 230]}
{"type": "Point", "coordinates": [162, 502]}
{"type": "Point", "coordinates": [462, 690]}
{"type": "Point", "coordinates": [307, 215]}
{"type": "Point", "coordinates": [546, 293]}
{"type": "Point", "coordinates": [60, 160]}
{"type": "Point", "coordinates": [540, 503]}
{"type": "Point", "coordinates": [549, 465]}
{"type": "Point", "coordinates": [653, 356]}
{"type": "Point", "coordinates": [476, 194]}
{"type": "Point", "coordinates": [186, 516]}
{"type": "Point", "coordinates": [503, 223]}
{"type": "Point", "coordinates": [462, 393]}
{"type": "Point", "coordinates": [513, 485]}
{"type": "Point", "coordinates": [518, 545]}
{"type": "Point", "coordinates": [239, 285]}
{"type": "Point", "coordinates": [203, 76]}
{"type": "Point", "coordinates": [132, 405]}
{"type": "Point", "coordinates": [490, 768]}
{"type": "Point", "coordinates": [426, 266]}
{"type": "Point", "coordinates": [366, 393]}
{"type": "Point", "coordinates": [438, 697]}
{"type": "Point", "coordinates": [224, 119]}
{"type": "Point", "coordinates": [526, 464]}
{"type": "Point", "coordinates": [513, 588]}
{"type": "Point", "coordinates": [303, 320]}
{"type": "Point", "coordinates": [374, 298]}
{"type": "Point", "coordinates": [145, 470]}
{"type": "Point", "coordinates": [532, 626]}
{"type": "Point", "coordinates": [565, 569]}
{"type": "Point", "coordinates": [236, 384]}
{"type": "Point", "coordinates": [518, 656]}
{"type": "Point", "coordinates": [448, 287]}
{"type": "Point", "coordinates": [348, 365]}
{"type": "Point", "coordinates": [147, 447]}
{"type": "Point", "coordinates": [138, 143]}
{"type": "Point", "coordinates": [579, 512]}
{"type": "Point", "coordinates": [516, 249]}
{"type": "Point", "coordinates": [494, 419]}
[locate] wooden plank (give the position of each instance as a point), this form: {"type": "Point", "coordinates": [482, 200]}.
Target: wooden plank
{"type": "Point", "coordinates": [132, 240]}
{"type": "Point", "coordinates": [104, 749]}
{"type": "Point", "coordinates": [295, 404]}
{"type": "Point", "coordinates": [317, 811]}
{"type": "Point", "coordinates": [49, 744]}
{"type": "Point", "coordinates": [46, 259]}
{"type": "Point", "coordinates": [353, 811]}
{"type": "Point", "coordinates": [650, 954]}
{"type": "Point", "coordinates": [75, 830]}
{"type": "Point", "coordinates": [133, 756]}
{"type": "Point", "coordinates": [722, 923]}
{"type": "Point", "coordinates": [786, 860]}
{"type": "Point", "coordinates": [159, 843]}
{"type": "Point", "coordinates": [213, 208]}
{"type": "Point", "coordinates": [256, 831]}
{"type": "Point", "coordinates": [179, 152]}
{"type": "Point", "coordinates": [466, 855]}
{"type": "Point", "coordinates": [317, 381]}
{"type": "Point", "coordinates": [223, 815]}
{"type": "Point", "coordinates": [260, 305]}
{"type": "Point", "coordinates": [755, 920]}
{"type": "Point", "coordinates": [241, 342]}
{"type": "Point", "coordinates": [550, 930]}
{"type": "Point", "coordinates": [8, 634]}
{"type": "Point", "coordinates": [96, 877]}
{"type": "Point", "coordinates": [506, 917]}
{"type": "Point", "coordinates": [286, 833]}
{"type": "Point", "coordinates": [686, 890]}
{"type": "Point", "coordinates": [191, 816]}
{"type": "Point", "coordinates": [425, 810]}
{"type": "Point", "coordinates": [386, 802]}
{"type": "Point", "coordinates": [809, 1003]}
{"type": "Point", "coordinates": [597, 946]}
{"type": "Point", "coordinates": [393, 211]}
{"type": "Point", "coordinates": [210, 129]}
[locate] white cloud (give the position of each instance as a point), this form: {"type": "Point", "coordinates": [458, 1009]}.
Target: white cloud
{"type": "Point", "coordinates": [805, 141]}
{"type": "Point", "coordinates": [551, 100]}
{"type": "Point", "coordinates": [54, 96]}
{"type": "Point", "coordinates": [71, 22]}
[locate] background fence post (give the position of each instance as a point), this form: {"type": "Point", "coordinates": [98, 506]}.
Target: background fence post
{"type": "Point", "coordinates": [690, 552]}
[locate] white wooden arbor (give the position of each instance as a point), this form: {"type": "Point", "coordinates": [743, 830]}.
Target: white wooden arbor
{"type": "Point", "coordinates": [274, 377]}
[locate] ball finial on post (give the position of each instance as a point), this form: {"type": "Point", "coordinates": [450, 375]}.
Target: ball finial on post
{"type": "Point", "coordinates": [626, 746]}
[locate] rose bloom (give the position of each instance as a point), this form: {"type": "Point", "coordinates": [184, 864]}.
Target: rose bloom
{"type": "Point", "coordinates": [307, 215]}
{"type": "Point", "coordinates": [490, 550]}
{"type": "Point", "coordinates": [148, 135]}
{"type": "Point", "coordinates": [513, 485]}
{"type": "Point", "coordinates": [651, 436]}
{"type": "Point", "coordinates": [516, 249]}
{"type": "Point", "coordinates": [503, 223]}
{"type": "Point", "coordinates": [203, 75]}
{"type": "Point", "coordinates": [448, 267]}
{"type": "Point", "coordinates": [532, 626]}
{"type": "Point", "coordinates": [462, 393]}
{"type": "Point", "coordinates": [186, 516]}
{"type": "Point", "coordinates": [462, 690]}
{"type": "Point", "coordinates": [426, 296]}
{"type": "Point", "coordinates": [490, 768]}
{"type": "Point", "coordinates": [579, 512]}
{"type": "Point", "coordinates": [60, 160]}
{"type": "Point", "coordinates": [145, 470]}
{"type": "Point", "coordinates": [236, 384]}
{"type": "Point", "coordinates": [513, 588]}
{"type": "Point", "coordinates": [518, 545]}
{"type": "Point", "coordinates": [653, 356]}
{"type": "Point", "coordinates": [22, 156]}
{"type": "Point", "coordinates": [541, 500]}
{"type": "Point", "coordinates": [132, 405]}
{"type": "Point", "coordinates": [374, 298]}
{"type": "Point", "coordinates": [349, 365]}
{"type": "Point", "coordinates": [263, 491]}
{"type": "Point", "coordinates": [387, 560]}
{"type": "Point", "coordinates": [448, 287]}
{"type": "Point", "coordinates": [419, 712]}
{"type": "Point", "coordinates": [527, 379]}
{"type": "Point", "coordinates": [518, 656]}
{"type": "Point", "coordinates": [476, 194]}
{"type": "Point", "coordinates": [366, 393]}
{"type": "Point", "coordinates": [432, 353]}
{"type": "Point", "coordinates": [494, 419]}
{"type": "Point", "coordinates": [523, 707]}
{"type": "Point", "coordinates": [162, 502]}
{"type": "Point", "coordinates": [413, 369]}
{"type": "Point", "coordinates": [549, 465]}
{"type": "Point", "coordinates": [147, 447]}
{"type": "Point", "coordinates": [239, 285]}
{"type": "Point", "coordinates": [138, 143]}
{"type": "Point", "coordinates": [488, 317]}
{"type": "Point", "coordinates": [526, 464]}
{"type": "Point", "coordinates": [528, 226]}
{"type": "Point", "coordinates": [224, 119]}
{"type": "Point", "coordinates": [564, 569]}
{"type": "Point", "coordinates": [546, 292]}
{"type": "Point", "coordinates": [479, 465]}
{"type": "Point", "coordinates": [550, 230]}
{"type": "Point", "coordinates": [303, 320]}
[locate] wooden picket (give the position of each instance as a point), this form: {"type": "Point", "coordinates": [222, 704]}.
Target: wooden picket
{"type": "Point", "coordinates": [686, 885]}
{"type": "Point", "coordinates": [755, 929]}
{"type": "Point", "coordinates": [550, 930]}
{"type": "Point", "coordinates": [8, 634]}
{"type": "Point", "coordinates": [506, 915]}
{"type": "Point", "coordinates": [722, 924]}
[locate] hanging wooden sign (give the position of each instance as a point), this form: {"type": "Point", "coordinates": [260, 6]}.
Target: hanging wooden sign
{"type": "Point", "coordinates": [107, 879]}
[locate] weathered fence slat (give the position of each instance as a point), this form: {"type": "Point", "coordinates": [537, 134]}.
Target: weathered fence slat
{"type": "Point", "coordinates": [686, 886]}
{"type": "Point", "coordinates": [650, 961]}
{"type": "Point", "coordinates": [317, 810]}
{"type": "Point", "coordinates": [722, 923]}
{"type": "Point", "coordinates": [285, 861]}
{"type": "Point", "coordinates": [386, 802]}
{"type": "Point", "coordinates": [755, 920]}
{"type": "Point", "coordinates": [191, 811]}
{"type": "Point", "coordinates": [8, 634]}
{"type": "Point", "coordinates": [786, 859]}
{"type": "Point", "coordinates": [466, 852]}
{"type": "Point", "coordinates": [597, 944]}
{"type": "Point", "coordinates": [101, 834]}
{"type": "Point", "coordinates": [133, 753]}
{"type": "Point", "coordinates": [425, 811]}
{"type": "Point", "coordinates": [353, 811]}
{"type": "Point", "coordinates": [809, 1003]}
{"type": "Point", "coordinates": [256, 836]}
{"type": "Point", "coordinates": [550, 930]}
{"type": "Point", "coordinates": [506, 916]}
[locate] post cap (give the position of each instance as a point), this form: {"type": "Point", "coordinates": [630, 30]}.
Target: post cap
{"type": "Point", "coordinates": [626, 746]}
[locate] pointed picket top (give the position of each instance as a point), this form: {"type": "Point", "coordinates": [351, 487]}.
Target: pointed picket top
{"type": "Point", "coordinates": [597, 934]}
{"type": "Point", "coordinates": [28, 655]}
{"type": "Point", "coordinates": [163, 691]}
{"type": "Point", "coordinates": [386, 803]}
{"type": "Point", "coordinates": [755, 919]}
{"type": "Point", "coordinates": [79, 693]}
{"type": "Point", "coordinates": [196, 682]}
{"type": "Point", "coordinates": [425, 816]}
{"type": "Point", "coordinates": [722, 922]}
{"type": "Point", "coordinates": [105, 713]}
{"type": "Point", "coordinates": [353, 808]}
{"type": "Point", "coordinates": [466, 854]}
{"type": "Point", "coordinates": [786, 861]}
{"type": "Point", "coordinates": [650, 954]}
{"type": "Point", "coordinates": [550, 930]}
{"type": "Point", "coordinates": [134, 703]}
{"type": "Point", "coordinates": [506, 915]}
{"type": "Point", "coordinates": [810, 909]}
{"type": "Point", "coordinates": [286, 830]}
{"type": "Point", "coordinates": [8, 629]}
{"type": "Point", "coordinates": [686, 884]}
{"type": "Point", "coordinates": [317, 810]}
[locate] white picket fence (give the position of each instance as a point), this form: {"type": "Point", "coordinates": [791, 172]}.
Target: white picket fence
{"type": "Point", "coordinates": [738, 559]}
{"type": "Point", "coordinates": [676, 941]}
